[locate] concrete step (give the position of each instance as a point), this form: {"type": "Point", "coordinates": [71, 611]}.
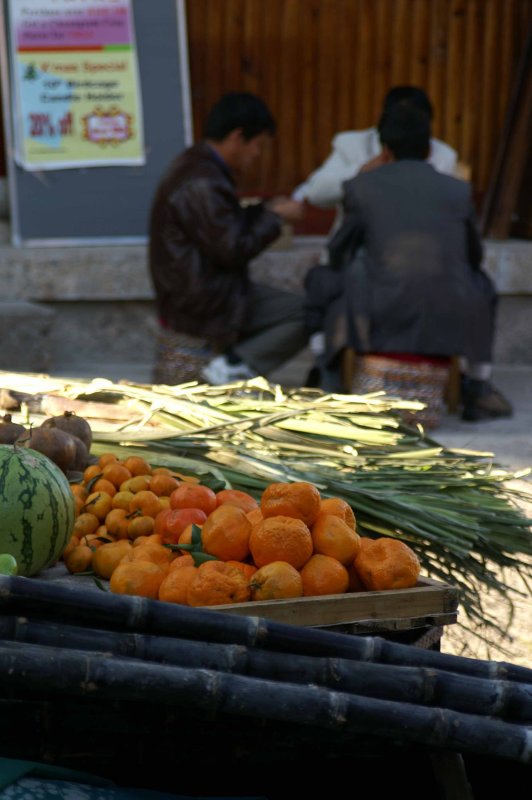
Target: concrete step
{"type": "Point", "coordinates": [103, 301]}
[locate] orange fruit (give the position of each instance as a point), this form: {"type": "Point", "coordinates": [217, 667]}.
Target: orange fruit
{"type": "Point", "coordinates": [387, 563]}
{"type": "Point", "coordinates": [137, 483]}
{"type": "Point", "coordinates": [71, 544]}
{"type": "Point", "coordinates": [99, 504]}
{"type": "Point", "coordinates": [140, 526]}
{"type": "Point", "coordinates": [339, 507]}
{"type": "Point", "coordinates": [85, 523]}
{"type": "Point", "coordinates": [163, 484]}
{"type": "Point", "coordinates": [171, 522]}
{"type": "Point", "coordinates": [122, 500]}
{"type": "Point", "coordinates": [300, 500]}
{"type": "Point", "coordinates": [276, 581]}
{"type": "Point", "coordinates": [141, 578]}
{"type": "Point", "coordinates": [280, 539]}
{"type": "Point", "coordinates": [103, 485]}
{"type": "Point", "coordinates": [331, 536]}
{"type": "Point", "coordinates": [79, 490]}
{"type": "Point", "coordinates": [255, 516]}
{"type": "Point", "coordinates": [107, 557]}
{"type": "Point", "coordinates": [236, 498]}
{"type": "Point", "coordinates": [116, 473]}
{"type": "Point", "coordinates": [107, 458]}
{"type": "Point", "coordinates": [150, 552]}
{"type": "Point", "coordinates": [90, 472]}
{"type": "Point", "coordinates": [324, 575]}
{"type": "Point", "coordinates": [117, 523]}
{"type": "Point", "coordinates": [217, 583]}
{"type": "Point", "coordinates": [78, 505]}
{"type": "Point", "coordinates": [137, 465]}
{"type": "Point", "coordinates": [147, 502]}
{"type": "Point", "coordinates": [78, 559]}
{"type": "Point", "coordinates": [193, 496]}
{"type": "Point", "coordinates": [225, 533]}
{"type": "Point", "coordinates": [182, 561]}
{"type": "Point", "coordinates": [247, 570]}
{"type": "Point", "coordinates": [174, 588]}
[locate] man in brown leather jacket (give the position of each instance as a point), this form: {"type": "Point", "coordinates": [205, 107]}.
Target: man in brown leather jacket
{"type": "Point", "coordinates": [224, 326]}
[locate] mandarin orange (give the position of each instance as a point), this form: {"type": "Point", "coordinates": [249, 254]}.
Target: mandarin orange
{"type": "Point", "coordinates": [275, 581]}
{"type": "Point", "coordinates": [331, 536]}
{"type": "Point", "coordinates": [324, 575]}
{"type": "Point", "coordinates": [225, 533]}
{"type": "Point", "coordinates": [300, 500]}
{"type": "Point", "coordinates": [280, 539]}
{"type": "Point", "coordinates": [387, 563]}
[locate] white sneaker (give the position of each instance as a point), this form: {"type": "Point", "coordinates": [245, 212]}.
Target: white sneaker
{"type": "Point", "coordinates": [220, 371]}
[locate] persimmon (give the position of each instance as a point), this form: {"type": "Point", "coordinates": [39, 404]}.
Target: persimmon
{"type": "Point", "coordinates": [299, 499]}
{"type": "Point", "coordinates": [387, 563]}
{"type": "Point", "coordinates": [217, 583]}
{"type": "Point", "coordinates": [275, 581]}
{"type": "Point", "coordinates": [234, 497]}
{"type": "Point", "coordinates": [281, 539]}
{"type": "Point", "coordinates": [324, 575]}
{"type": "Point", "coordinates": [331, 536]}
{"type": "Point", "coordinates": [193, 496]}
{"type": "Point", "coordinates": [174, 587]}
{"type": "Point", "coordinates": [225, 533]}
{"type": "Point", "coordinates": [140, 578]}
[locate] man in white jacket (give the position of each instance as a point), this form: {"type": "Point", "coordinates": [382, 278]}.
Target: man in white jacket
{"type": "Point", "coordinates": [356, 151]}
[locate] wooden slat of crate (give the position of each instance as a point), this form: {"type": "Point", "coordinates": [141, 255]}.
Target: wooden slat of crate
{"type": "Point", "coordinates": [426, 601]}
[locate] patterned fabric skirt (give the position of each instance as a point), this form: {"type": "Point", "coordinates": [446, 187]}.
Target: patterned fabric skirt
{"type": "Point", "coordinates": [424, 381]}
{"type": "Point", "coordinates": [180, 357]}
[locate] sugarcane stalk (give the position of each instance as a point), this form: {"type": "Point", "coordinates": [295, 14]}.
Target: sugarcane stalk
{"type": "Point", "coordinates": [47, 670]}
{"type": "Point", "coordinates": [44, 600]}
{"type": "Point", "coordinates": [504, 699]}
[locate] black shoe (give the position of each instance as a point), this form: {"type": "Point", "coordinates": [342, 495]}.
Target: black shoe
{"type": "Point", "coordinates": [481, 401]}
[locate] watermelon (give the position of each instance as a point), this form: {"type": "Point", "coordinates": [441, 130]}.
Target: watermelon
{"type": "Point", "coordinates": [36, 508]}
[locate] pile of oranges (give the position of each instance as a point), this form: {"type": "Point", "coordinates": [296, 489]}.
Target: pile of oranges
{"type": "Point", "coordinates": [159, 534]}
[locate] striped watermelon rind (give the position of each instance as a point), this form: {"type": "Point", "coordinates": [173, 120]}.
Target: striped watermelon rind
{"type": "Point", "coordinates": [37, 509]}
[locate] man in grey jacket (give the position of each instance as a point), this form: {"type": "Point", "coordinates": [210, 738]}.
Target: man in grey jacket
{"type": "Point", "coordinates": [409, 256]}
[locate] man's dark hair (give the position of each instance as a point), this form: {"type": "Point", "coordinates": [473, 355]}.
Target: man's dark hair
{"type": "Point", "coordinates": [408, 95]}
{"type": "Point", "coordinates": [406, 131]}
{"type": "Point", "coordinates": [239, 110]}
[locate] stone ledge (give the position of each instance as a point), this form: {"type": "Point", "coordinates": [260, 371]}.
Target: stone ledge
{"type": "Point", "coordinates": [120, 272]}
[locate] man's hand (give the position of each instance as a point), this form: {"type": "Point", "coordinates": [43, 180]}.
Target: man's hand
{"type": "Point", "coordinates": [289, 210]}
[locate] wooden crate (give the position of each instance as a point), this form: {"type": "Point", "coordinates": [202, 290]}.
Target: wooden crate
{"type": "Point", "coordinates": [428, 604]}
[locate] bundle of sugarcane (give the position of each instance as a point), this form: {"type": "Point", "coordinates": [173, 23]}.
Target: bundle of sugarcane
{"type": "Point", "coordinates": [169, 656]}
{"type": "Point", "coordinates": [454, 507]}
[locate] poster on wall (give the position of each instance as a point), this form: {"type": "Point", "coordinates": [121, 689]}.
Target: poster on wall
{"type": "Point", "coordinates": [76, 84]}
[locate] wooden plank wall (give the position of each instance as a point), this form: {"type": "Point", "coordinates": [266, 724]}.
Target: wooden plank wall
{"type": "Point", "coordinates": [325, 66]}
